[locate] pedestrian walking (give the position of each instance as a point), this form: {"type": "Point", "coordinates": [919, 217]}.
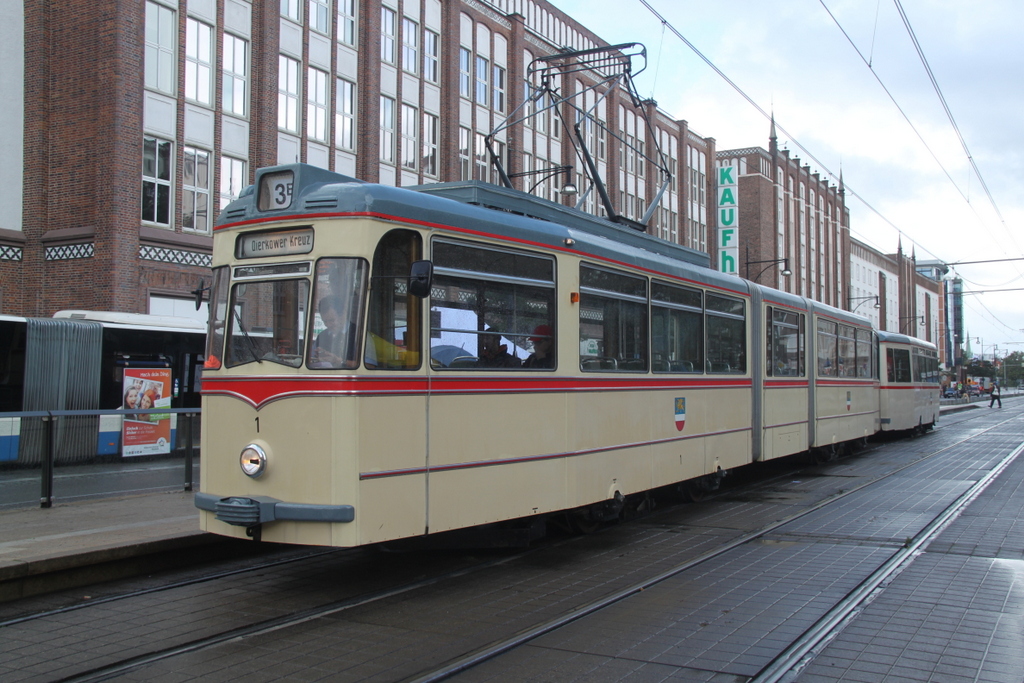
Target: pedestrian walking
{"type": "Point", "coordinates": [995, 396]}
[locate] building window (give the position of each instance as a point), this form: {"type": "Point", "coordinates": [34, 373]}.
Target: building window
{"type": "Point", "coordinates": [161, 39]}
{"type": "Point", "coordinates": [431, 55]}
{"type": "Point", "coordinates": [156, 180]}
{"type": "Point", "coordinates": [195, 185]}
{"type": "Point", "coordinates": [236, 74]}
{"type": "Point", "coordinates": [410, 145]}
{"type": "Point", "coordinates": [410, 45]}
{"type": "Point", "coordinates": [345, 115]}
{"type": "Point", "coordinates": [232, 179]}
{"type": "Point", "coordinates": [499, 88]}
{"type": "Point", "coordinates": [320, 16]}
{"type": "Point", "coordinates": [198, 62]}
{"type": "Point", "coordinates": [465, 80]}
{"type": "Point", "coordinates": [317, 105]}
{"type": "Point", "coordinates": [465, 170]}
{"type": "Point", "coordinates": [481, 80]}
{"type": "Point", "coordinates": [387, 129]}
{"type": "Point", "coordinates": [387, 35]}
{"type": "Point", "coordinates": [347, 21]}
{"type": "Point", "coordinates": [288, 94]}
{"type": "Point", "coordinates": [291, 10]}
{"type": "Point", "coordinates": [430, 133]}
{"type": "Point", "coordinates": [480, 157]}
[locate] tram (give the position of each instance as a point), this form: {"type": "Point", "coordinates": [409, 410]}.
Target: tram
{"type": "Point", "coordinates": [910, 383]}
{"type": "Point", "coordinates": [386, 363]}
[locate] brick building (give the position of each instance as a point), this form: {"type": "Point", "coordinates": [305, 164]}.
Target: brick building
{"type": "Point", "coordinates": [790, 217]}
{"type": "Point", "coordinates": [129, 123]}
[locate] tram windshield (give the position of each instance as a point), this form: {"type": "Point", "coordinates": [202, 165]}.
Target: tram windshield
{"type": "Point", "coordinates": [270, 319]}
{"type": "Point", "coordinates": [267, 322]}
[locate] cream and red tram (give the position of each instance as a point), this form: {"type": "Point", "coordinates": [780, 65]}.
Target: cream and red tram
{"type": "Point", "coordinates": [910, 385]}
{"type": "Point", "coordinates": [386, 363]}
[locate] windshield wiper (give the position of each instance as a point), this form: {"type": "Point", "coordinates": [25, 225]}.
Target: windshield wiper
{"type": "Point", "coordinates": [252, 344]}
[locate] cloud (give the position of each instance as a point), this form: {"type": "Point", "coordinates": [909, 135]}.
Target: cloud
{"type": "Point", "coordinates": [792, 57]}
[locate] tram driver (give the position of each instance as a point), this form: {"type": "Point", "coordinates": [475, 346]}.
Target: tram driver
{"type": "Point", "coordinates": [332, 348]}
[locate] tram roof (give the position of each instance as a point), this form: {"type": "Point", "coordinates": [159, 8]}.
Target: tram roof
{"type": "Point", "coordinates": [482, 208]}
{"type": "Point", "coordinates": [894, 337]}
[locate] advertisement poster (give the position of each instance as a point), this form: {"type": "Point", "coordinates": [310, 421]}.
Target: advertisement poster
{"type": "Point", "coordinates": [144, 389]}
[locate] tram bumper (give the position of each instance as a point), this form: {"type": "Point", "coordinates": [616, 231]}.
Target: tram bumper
{"type": "Point", "coordinates": [252, 510]}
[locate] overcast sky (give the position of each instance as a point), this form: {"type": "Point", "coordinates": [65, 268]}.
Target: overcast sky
{"type": "Point", "coordinates": [792, 57]}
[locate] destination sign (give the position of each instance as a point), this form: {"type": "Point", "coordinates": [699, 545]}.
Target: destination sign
{"type": "Point", "coordinates": [283, 243]}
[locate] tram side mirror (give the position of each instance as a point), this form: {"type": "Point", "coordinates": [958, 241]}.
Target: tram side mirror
{"type": "Point", "coordinates": [198, 292]}
{"type": "Point", "coordinates": [421, 275]}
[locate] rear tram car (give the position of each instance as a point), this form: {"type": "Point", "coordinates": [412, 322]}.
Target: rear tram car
{"type": "Point", "coordinates": [386, 363]}
{"type": "Point", "coordinates": [909, 383]}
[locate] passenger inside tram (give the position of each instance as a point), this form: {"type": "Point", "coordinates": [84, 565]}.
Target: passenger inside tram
{"type": "Point", "coordinates": [494, 354]}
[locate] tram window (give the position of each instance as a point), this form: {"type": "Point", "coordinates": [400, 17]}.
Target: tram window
{"type": "Point", "coordinates": [847, 352]}
{"type": "Point", "coordinates": [491, 308]}
{"type": "Point", "coordinates": [786, 344]}
{"type": "Point", "coordinates": [393, 337]}
{"type": "Point", "coordinates": [898, 364]}
{"type": "Point", "coordinates": [727, 342]}
{"type": "Point", "coordinates": [677, 329]}
{"type": "Point", "coordinates": [268, 322]}
{"type": "Point", "coordinates": [337, 320]}
{"type": "Point", "coordinates": [864, 353]}
{"type": "Point", "coordinates": [926, 367]}
{"type": "Point", "coordinates": [218, 318]}
{"type": "Point", "coordinates": [613, 321]}
{"type": "Point", "coordinates": [827, 344]}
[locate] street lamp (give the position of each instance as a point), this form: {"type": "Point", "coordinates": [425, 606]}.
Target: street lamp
{"type": "Point", "coordinates": [862, 299]}
{"type": "Point", "coordinates": [786, 272]}
{"type": "Point", "coordinates": [911, 317]}
{"type": "Point", "coordinates": [567, 187]}
{"type": "Point", "coordinates": [981, 343]}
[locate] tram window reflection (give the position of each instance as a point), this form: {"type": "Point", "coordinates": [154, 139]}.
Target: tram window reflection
{"type": "Point", "coordinates": [898, 364]}
{"type": "Point", "coordinates": [268, 322]}
{"type": "Point", "coordinates": [613, 321]}
{"type": "Point", "coordinates": [827, 344]}
{"type": "Point", "coordinates": [393, 338]}
{"type": "Point", "coordinates": [726, 332]}
{"type": "Point", "coordinates": [491, 308]}
{"type": "Point", "coordinates": [786, 344]}
{"type": "Point", "coordinates": [677, 329]}
{"type": "Point", "coordinates": [865, 353]}
{"type": "Point", "coordinates": [338, 295]}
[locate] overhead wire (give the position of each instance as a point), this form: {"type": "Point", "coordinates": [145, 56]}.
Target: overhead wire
{"type": "Point", "coordinates": [906, 118]}
{"type": "Point", "coordinates": [666, 24]}
{"type": "Point", "coordinates": [953, 123]}
{"type": "Point", "coordinates": [949, 114]}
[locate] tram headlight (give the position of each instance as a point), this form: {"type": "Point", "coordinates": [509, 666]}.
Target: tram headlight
{"type": "Point", "coordinates": [253, 460]}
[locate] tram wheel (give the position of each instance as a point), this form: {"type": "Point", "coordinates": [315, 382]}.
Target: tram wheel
{"type": "Point", "coordinates": [825, 454]}
{"type": "Point", "coordinates": [695, 491]}
{"type": "Point", "coordinates": [580, 522]}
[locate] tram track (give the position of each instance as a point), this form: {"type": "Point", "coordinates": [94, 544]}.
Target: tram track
{"type": "Point", "coordinates": [797, 653]}
{"type": "Point", "coordinates": [95, 602]}
{"type": "Point", "coordinates": [480, 655]}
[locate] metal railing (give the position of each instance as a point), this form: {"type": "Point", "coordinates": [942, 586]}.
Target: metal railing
{"type": "Point", "coordinates": [51, 418]}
